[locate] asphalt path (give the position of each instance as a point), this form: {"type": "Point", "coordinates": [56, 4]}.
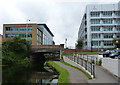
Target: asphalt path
{"type": "Point", "coordinates": [76, 76]}
{"type": "Point", "coordinates": [101, 75]}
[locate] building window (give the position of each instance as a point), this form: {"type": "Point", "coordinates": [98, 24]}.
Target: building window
{"type": "Point", "coordinates": [22, 29]}
{"type": "Point", "coordinates": [14, 29]}
{"type": "Point", "coordinates": [107, 21]}
{"type": "Point", "coordinates": [108, 43]}
{"type": "Point", "coordinates": [96, 43]}
{"type": "Point", "coordinates": [117, 21]}
{"type": "Point", "coordinates": [95, 21]}
{"type": "Point", "coordinates": [7, 29]}
{"type": "Point", "coordinates": [11, 29]}
{"type": "Point", "coordinates": [108, 28]}
{"type": "Point", "coordinates": [11, 35]}
{"type": "Point", "coordinates": [118, 35]}
{"type": "Point", "coordinates": [41, 26]}
{"type": "Point", "coordinates": [29, 36]}
{"type": "Point", "coordinates": [29, 29]}
{"type": "Point", "coordinates": [39, 32]}
{"type": "Point", "coordinates": [95, 28]}
{"type": "Point", "coordinates": [108, 35]}
{"type": "Point", "coordinates": [107, 14]}
{"type": "Point", "coordinates": [95, 36]}
{"type": "Point", "coordinates": [23, 36]}
{"type": "Point", "coordinates": [95, 14]}
{"type": "Point", "coordinates": [117, 13]}
{"type": "Point", "coordinates": [118, 28]}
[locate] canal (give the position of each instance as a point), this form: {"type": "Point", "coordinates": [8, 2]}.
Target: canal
{"type": "Point", "coordinates": [19, 74]}
{"type": "Point", "coordinates": [37, 73]}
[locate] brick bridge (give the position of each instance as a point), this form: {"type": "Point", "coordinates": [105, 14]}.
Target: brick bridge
{"type": "Point", "coordinates": [47, 48]}
{"type": "Point", "coordinates": [38, 57]}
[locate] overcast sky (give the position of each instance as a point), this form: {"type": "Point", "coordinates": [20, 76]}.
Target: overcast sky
{"type": "Point", "coordinates": [63, 17]}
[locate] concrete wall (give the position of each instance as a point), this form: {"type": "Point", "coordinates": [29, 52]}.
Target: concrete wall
{"type": "Point", "coordinates": [112, 65]}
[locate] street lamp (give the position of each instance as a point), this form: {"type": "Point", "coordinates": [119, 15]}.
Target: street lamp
{"type": "Point", "coordinates": [26, 28]}
{"type": "Point", "coordinates": [91, 45]}
{"type": "Point", "coordinates": [117, 44]}
{"type": "Point", "coordinates": [66, 43]}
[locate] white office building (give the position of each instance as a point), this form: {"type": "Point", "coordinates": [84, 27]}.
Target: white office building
{"type": "Point", "coordinates": [99, 26]}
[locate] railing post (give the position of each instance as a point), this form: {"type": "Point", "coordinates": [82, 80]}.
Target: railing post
{"type": "Point", "coordinates": [93, 70]}
{"type": "Point", "coordinates": [82, 59]}
{"type": "Point", "coordinates": [86, 64]}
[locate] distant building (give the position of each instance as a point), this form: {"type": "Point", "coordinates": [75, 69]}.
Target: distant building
{"type": "Point", "coordinates": [100, 25]}
{"type": "Point", "coordinates": [35, 34]}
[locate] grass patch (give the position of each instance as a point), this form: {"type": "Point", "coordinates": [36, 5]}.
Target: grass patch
{"type": "Point", "coordinates": [85, 73]}
{"type": "Point", "coordinates": [67, 54]}
{"type": "Point", "coordinates": [88, 53]}
{"type": "Point", "coordinates": [84, 53]}
{"type": "Point", "coordinates": [64, 74]}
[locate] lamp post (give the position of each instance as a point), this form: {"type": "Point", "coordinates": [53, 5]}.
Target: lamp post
{"type": "Point", "coordinates": [26, 28]}
{"type": "Point", "coordinates": [66, 43]}
{"type": "Point", "coordinates": [117, 44]}
{"type": "Point", "coordinates": [91, 45]}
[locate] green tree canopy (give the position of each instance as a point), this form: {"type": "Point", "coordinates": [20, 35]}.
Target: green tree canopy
{"type": "Point", "coordinates": [79, 44]}
{"type": "Point", "coordinates": [15, 49]}
{"type": "Point", "coordinates": [116, 42]}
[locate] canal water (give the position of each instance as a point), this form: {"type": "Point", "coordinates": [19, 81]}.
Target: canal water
{"type": "Point", "coordinates": [21, 75]}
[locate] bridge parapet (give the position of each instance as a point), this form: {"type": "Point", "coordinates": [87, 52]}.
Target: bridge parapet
{"type": "Point", "coordinates": [47, 48]}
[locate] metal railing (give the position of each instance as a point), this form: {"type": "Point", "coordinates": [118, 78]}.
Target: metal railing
{"type": "Point", "coordinates": [85, 61]}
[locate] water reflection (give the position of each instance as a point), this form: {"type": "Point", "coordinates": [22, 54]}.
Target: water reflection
{"type": "Point", "coordinates": [19, 74]}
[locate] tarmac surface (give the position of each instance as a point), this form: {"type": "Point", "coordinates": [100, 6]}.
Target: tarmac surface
{"type": "Point", "coordinates": [102, 75]}
{"type": "Point", "coordinates": [75, 75]}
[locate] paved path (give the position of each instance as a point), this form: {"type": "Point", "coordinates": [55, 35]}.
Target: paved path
{"type": "Point", "coordinates": [75, 75]}
{"type": "Point", "coordinates": [102, 76]}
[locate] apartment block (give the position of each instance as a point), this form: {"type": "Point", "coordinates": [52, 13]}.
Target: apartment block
{"type": "Point", "coordinates": [99, 26]}
{"type": "Point", "coordinates": [35, 34]}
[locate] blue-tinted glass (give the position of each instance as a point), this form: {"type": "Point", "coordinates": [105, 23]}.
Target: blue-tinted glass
{"type": "Point", "coordinates": [11, 35]}
{"type": "Point", "coordinates": [14, 29]}
{"type": "Point", "coordinates": [22, 29]}
{"type": "Point", "coordinates": [29, 29]}
{"type": "Point", "coordinates": [41, 26]}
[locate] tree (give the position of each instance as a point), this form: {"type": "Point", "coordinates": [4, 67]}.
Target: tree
{"type": "Point", "coordinates": [116, 42]}
{"type": "Point", "coordinates": [15, 50]}
{"type": "Point", "coordinates": [79, 44]}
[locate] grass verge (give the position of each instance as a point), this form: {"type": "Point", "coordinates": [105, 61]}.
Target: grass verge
{"type": "Point", "coordinates": [64, 74]}
{"type": "Point", "coordinates": [88, 53]}
{"type": "Point", "coordinates": [85, 73]}
{"type": "Point", "coordinates": [81, 53]}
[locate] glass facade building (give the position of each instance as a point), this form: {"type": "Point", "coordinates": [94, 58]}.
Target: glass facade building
{"type": "Point", "coordinates": [99, 26]}
{"type": "Point", "coordinates": [35, 34]}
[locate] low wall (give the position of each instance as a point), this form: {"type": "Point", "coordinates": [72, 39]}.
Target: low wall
{"type": "Point", "coordinates": [76, 50]}
{"type": "Point", "coordinates": [112, 65]}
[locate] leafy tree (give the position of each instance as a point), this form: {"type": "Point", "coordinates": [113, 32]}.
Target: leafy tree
{"type": "Point", "coordinates": [116, 42]}
{"type": "Point", "coordinates": [79, 44]}
{"type": "Point", "coordinates": [15, 50]}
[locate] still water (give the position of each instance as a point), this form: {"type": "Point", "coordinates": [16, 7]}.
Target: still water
{"type": "Point", "coordinates": [21, 75]}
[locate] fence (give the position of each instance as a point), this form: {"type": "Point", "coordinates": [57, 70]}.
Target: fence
{"type": "Point", "coordinates": [85, 61]}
